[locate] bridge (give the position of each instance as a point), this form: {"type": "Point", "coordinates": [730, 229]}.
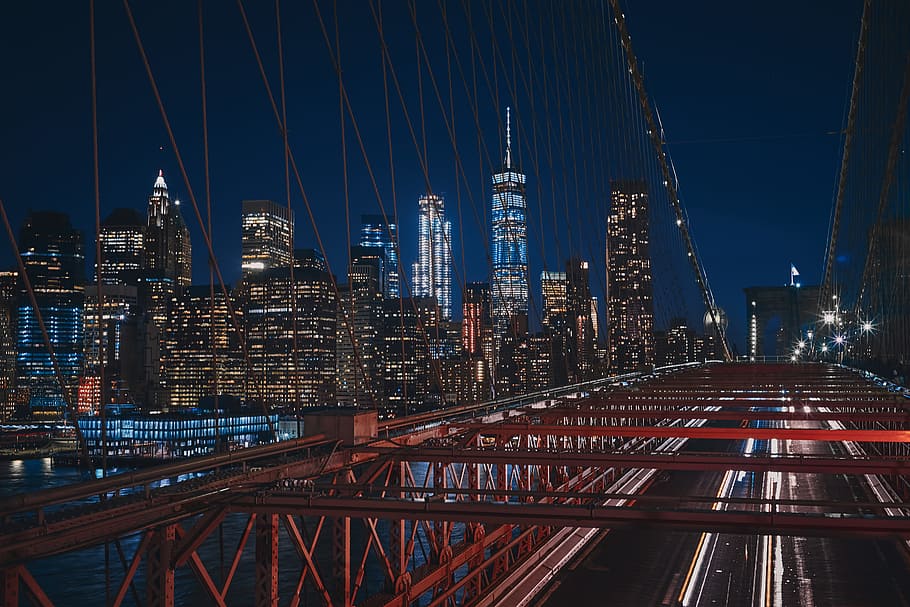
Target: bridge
{"type": "Point", "coordinates": [699, 476]}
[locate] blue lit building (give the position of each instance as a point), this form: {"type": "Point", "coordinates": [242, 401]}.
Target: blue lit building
{"type": "Point", "coordinates": [169, 436]}
{"type": "Point", "coordinates": [433, 268]}
{"type": "Point", "coordinates": [509, 243]}
{"type": "Point", "coordinates": [52, 252]}
{"type": "Point", "coordinates": [375, 231]}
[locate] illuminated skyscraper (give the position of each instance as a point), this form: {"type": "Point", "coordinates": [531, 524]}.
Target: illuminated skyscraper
{"type": "Point", "coordinates": [270, 334]}
{"type": "Point", "coordinates": [168, 254]}
{"type": "Point", "coordinates": [52, 251]}
{"type": "Point", "coordinates": [405, 358]}
{"type": "Point", "coordinates": [203, 350]}
{"type": "Point", "coordinates": [476, 311]}
{"type": "Point", "coordinates": [122, 248]}
{"type": "Point", "coordinates": [433, 268]}
{"type": "Point", "coordinates": [630, 307]}
{"type": "Point", "coordinates": [120, 302]}
{"type": "Point", "coordinates": [8, 297]}
{"type": "Point", "coordinates": [375, 231]}
{"type": "Point", "coordinates": [477, 342]}
{"type": "Point", "coordinates": [579, 328]}
{"type": "Point", "coordinates": [360, 316]}
{"type": "Point", "coordinates": [553, 289]}
{"type": "Point", "coordinates": [266, 237]}
{"type": "Point", "coordinates": [509, 243]}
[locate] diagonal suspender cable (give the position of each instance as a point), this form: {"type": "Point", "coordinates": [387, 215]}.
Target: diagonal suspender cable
{"type": "Point", "coordinates": [208, 208]}
{"type": "Point", "coordinates": [654, 133]}
{"type": "Point", "coordinates": [825, 292]}
{"type": "Point", "coordinates": [98, 259]}
{"type": "Point", "coordinates": [295, 347]}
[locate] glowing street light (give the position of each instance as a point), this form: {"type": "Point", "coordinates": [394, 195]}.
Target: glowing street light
{"type": "Point", "coordinates": [867, 327]}
{"type": "Point", "coordinates": [839, 340]}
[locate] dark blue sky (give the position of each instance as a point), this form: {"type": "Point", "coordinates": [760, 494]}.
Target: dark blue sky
{"type": "Point", "coordinates": [751, 97]}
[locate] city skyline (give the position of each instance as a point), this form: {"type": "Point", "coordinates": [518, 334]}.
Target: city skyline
{"type": "Point", "coordinates": [700, 159]}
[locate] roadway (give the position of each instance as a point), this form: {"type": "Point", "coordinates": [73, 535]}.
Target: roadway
{"type": "Point", "coordinates": [652, 567]}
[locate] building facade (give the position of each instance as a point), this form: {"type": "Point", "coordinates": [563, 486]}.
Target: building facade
{"type": "Point", "coordinates": [278, 375]}
{"type": "Point", "coordinates": [167, 261]}
{"type": "Point", "coordinates": [202, 356]}
{"type": "Point", "coordinates": [509, 243]}
{"type": "Point", "coordinates": [122, 248]}
{"type": "Point", "coordinates": [378, 231]}
{"type": "Point", "coordinates": [630, 305]}
{"type": "Point", "coordinates": [53, 254]}
{"type": "Point", "coordinates": [433, 269]}
{"type": "Point", "coordinates": [266, 236]}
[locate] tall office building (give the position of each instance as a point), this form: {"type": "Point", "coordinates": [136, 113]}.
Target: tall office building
{"type": "Point", "coordinates": [553, 289]}
{"type": "Point", "coordinates": [375, 231]}
{"type": "Point", "coordinates": [52, 251]}
{"type": "Point", "coordinates": [203, 355]}
{"type": "Point", "coordinates": [433, 268]}
{"type": "Point", "coordinates": [405, 357]}
{"type": "Point", "coordinates": [509, 245]}
{"type": "Point", "coordinates": [476, 342]}
{"type": "Point", "coordinates": [579, 328]}
{"type": "Point", "coordinates": [122, 248]}
{"type": "Point", "coordinates": [630, 307]}
{"type": "Point", "coordinates": [476, 310]}
{"type": "Point", "coordinates": [168, 254]}
{"type": "Point", "coordinates": [8, 299]}
{"type": "Point", "coordinates": [119, 304]}
{"type": "Point", "coordinates": [270, 325]}
{"type": "Point", "coordinates": [266, 236]}
{"type": "Point", "coordinates": [358, 330]}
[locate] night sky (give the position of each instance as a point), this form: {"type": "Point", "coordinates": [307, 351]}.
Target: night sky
{"type": "Point", "coordinates": [752, 97]}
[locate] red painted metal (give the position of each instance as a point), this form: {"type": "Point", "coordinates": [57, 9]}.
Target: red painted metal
{"type": "Point", "coordinates": [662, 461]}
{"type": "Point", "coordinates": [726, 415]}
{"type": "Point", "coordinates": [504, 486]}
{"type": "Point", "coordinates": [593, 516]}
{"type": "Point", "coordinates": [513, 430]}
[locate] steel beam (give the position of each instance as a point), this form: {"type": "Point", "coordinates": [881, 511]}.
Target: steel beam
{"type": "Point", "coordinates": [798, 414]}
{"type": "Point", "coordinates": [810, 434]}
{"type": "Point", "coordinates": [591, 516]}
{"type": "Point", "coordinates": [159, 567]}
{"type": "Point", "coordinates": [661, 461]}
{"type": "Point", "coordinates": [266, 560]}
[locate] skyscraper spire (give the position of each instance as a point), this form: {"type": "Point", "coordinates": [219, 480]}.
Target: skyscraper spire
{"type": "Point", "coordinates": [160, 186]}
{"type": "Point", "coordinates": [508, 137]}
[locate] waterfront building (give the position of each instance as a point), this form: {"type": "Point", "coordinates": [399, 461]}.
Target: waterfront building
{"type": "Point", "coordinates": [176, 435]}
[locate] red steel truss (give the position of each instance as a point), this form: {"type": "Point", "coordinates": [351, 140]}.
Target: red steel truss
{"type": "Point", "coordinates": [440, 508]}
